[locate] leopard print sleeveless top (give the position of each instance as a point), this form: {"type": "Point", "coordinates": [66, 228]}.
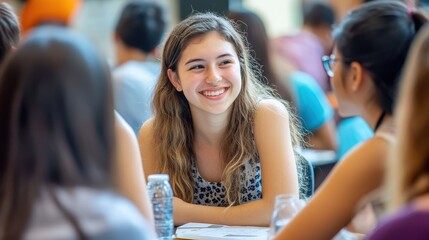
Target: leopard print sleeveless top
{"type": "Point", "coordinates": [213, 193]}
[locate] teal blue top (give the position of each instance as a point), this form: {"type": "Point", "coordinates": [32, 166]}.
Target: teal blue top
{"type": "Point", "coordinates": [313, 107]}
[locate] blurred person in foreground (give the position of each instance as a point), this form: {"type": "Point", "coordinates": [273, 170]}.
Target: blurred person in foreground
{"type": "Point", "coordinates": [371, 45]}
{"type": "Point", "coordinates": [129, 176]}
{"type": "Point", "coordinates": [57, 144]}
{"type": "Point", "coordinates": [138, 33]}
{"type": "Point", "coordinates": [408, 174]}
{"type": "Point", "coordinates": [354, 130]}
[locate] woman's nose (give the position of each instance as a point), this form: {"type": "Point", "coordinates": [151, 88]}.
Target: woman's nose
{"type": "Point", "coordinates": [213, 75]}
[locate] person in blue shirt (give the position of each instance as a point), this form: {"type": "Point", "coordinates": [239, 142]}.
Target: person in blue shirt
{"type": "Point", "coordinates": [300, 89]}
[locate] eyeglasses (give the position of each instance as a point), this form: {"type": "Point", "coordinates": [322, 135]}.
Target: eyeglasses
{"type": "Point", "coordinates": [328, 64]}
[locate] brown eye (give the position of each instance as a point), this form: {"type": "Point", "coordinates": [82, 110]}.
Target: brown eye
{"type": "Point", "coordinates": [196, 67]}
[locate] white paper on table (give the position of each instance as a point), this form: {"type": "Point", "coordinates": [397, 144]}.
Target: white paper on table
{"type": "Point", "coordinates": [221, 232]}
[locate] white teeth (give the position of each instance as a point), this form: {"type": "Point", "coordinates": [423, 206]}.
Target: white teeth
{"type": "Point", "coordinates": [214, 93]}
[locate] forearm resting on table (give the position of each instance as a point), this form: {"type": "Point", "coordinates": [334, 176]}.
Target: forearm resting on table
{"type": "Point", "coordinates": [256, 213]}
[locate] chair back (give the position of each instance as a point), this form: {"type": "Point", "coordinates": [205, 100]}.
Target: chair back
{"type": "Point", "coordinates": [305, 176]}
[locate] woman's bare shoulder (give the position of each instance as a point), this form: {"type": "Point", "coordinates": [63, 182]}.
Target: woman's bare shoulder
{"type": "Point", "coordinates": [146, 130]}
{"type": "Point", "coordinates": [366, 161]}
{"type": "Point", "coordinates": [374, 148]}
{"type": "Point", "coordinates": [271, 107]}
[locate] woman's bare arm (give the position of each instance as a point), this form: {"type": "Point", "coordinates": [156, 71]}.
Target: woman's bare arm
{"type": "Point", "coordinates": [338, 199]}
{"type": "Point", "coordinates": [279, 174]}
{"type": "Point", "coordinates": [128, 169]}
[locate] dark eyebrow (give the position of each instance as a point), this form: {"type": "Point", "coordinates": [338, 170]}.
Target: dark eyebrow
{"type": "Point", "coordinates": [200, 59]}
{"type": "Point", "coordinates": [225, 55]}
{"type": "Point", "coordinates": [194, 60]}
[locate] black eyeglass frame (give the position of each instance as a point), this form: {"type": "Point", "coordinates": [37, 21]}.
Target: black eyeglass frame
{"type": "Point", "coordinates": [327, 62]}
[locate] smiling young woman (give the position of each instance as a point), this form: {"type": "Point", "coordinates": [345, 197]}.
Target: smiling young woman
{"type": "Point", "coordinates": [224, 139]}
{"type": "Point", "coordinates": [208, 74]}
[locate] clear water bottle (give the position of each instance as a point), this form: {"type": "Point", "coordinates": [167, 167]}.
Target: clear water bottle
{"type": "Point", "coordinates": [161, 196]}
{"type": "Point", "coordinates": [285, 208]}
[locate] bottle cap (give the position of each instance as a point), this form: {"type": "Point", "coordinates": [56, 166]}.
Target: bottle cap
{"type": "Point", "coordinates": [158, 177]}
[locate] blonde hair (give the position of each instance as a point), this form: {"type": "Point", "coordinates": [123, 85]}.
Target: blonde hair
{"type": "Point", "coordinates": [408, 175]}
{"type": "Point", "coordinates": [173, 128]}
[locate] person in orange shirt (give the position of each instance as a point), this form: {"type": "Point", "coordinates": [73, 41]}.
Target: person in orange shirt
{"type": "Point", "coordinates": [37, 12]}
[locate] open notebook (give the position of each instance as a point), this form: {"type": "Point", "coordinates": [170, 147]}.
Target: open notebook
{"type": "Point", "coordinates": [221, 232]}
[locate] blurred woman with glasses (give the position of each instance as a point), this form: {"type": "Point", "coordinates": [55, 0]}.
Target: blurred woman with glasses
{"type": "Point", "coordinates": [371, 45]}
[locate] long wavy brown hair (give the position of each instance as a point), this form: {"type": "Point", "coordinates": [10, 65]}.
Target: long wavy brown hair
{"type": "Point", "coordinates": [173, 127]}
{"type": "Point", "coordinates": [408, 177]}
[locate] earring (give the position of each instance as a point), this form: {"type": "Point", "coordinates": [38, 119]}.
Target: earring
{"type": "Point", "coordinates": [179, 89]}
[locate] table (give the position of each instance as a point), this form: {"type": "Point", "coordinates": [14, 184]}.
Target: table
{"type": "Point", "coordinates": [209, 231]}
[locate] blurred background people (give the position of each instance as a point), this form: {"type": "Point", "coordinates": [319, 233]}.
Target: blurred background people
{"type": "Point", "coordinates": [343, 7]}
{"type": "Point", "coordinates": [57, 144]}
{"type": "Point", "coordinates": [312, 107]}
{"type": "Point", "coordinates": [407, 173]}
{"type": "Point", "coordinates": [138, 33]}
{"type": "Point", "coordinates": [304, 50]}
